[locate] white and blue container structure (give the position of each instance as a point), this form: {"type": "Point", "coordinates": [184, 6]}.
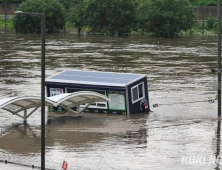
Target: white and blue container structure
{"type": "Point", "coordinates": [127, 92]}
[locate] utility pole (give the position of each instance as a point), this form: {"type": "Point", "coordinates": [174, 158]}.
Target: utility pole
{"type": "Point", "coordinates": [219, 55]}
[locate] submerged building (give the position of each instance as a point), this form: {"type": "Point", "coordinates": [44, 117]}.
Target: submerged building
{"type": "Point", "coordinates": [127, 92]}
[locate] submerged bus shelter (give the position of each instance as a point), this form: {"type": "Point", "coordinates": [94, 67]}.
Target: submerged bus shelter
{"type": "Point", "coordinates": [127, 92]}
{"type": "Point", "coordinates": [16, 105]}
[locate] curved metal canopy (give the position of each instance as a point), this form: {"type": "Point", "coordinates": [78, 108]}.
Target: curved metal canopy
{"type": "Point", "coordinates": [66, 101]}
{"type": "Point", "coordinates": [18, 104]}
{"type": "Point", "coordinates": [78, 98]}
{"type": "Point", "coordinates": [71, 100]}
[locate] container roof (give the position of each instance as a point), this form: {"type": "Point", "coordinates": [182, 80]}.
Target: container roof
{"type": "Point", "coordinates": [95, 78]}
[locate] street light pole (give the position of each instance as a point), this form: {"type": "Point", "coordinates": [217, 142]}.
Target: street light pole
{"type": "Point", "coordinates": [43, 93]}
{"type": "Point", "coordinates": [219, 54]}
{"type": "Point", "coordinates": [5, 15]}
{"type": "Point", "coordinates": [43, 28]}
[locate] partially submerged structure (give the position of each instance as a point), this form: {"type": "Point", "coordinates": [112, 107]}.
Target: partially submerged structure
{"type": "Point", "coordinates": [127, 92]}
{"type": "Point", "coordinates": [15, 105]}
{"type": "Point", "coordinates": [86, 91]}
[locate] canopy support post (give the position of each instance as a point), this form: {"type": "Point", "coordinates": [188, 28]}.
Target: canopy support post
{"type": "Point", "coordinates": [25, 116]}
{"type": "Point", "coordinates": [84, 108]}
{"type": "Point", "coordinates": [32, 112]}
{"type": "Point", "coordinates": [78, 110]}
{"type": "Point", "coordinates": [19, 116]}
{"type": "Point", "coordinates": [70, 110]}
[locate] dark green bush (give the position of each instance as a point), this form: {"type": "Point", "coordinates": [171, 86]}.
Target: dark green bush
{"type": "Point", "coordinates": [210, 21]}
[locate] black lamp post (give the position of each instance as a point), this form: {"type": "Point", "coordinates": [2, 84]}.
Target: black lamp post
{"type": "Point", "coordinates": [43, 28]}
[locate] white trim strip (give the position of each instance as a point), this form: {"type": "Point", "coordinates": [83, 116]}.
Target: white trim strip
{"type": "Point", "coordinates": [137, 86]}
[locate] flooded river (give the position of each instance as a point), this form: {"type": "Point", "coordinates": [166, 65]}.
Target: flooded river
{"type": "Point", "coordinates": [178, 74]}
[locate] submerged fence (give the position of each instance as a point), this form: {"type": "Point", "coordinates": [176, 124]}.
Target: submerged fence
{"type": "Point", "coordinates": [24, 165]}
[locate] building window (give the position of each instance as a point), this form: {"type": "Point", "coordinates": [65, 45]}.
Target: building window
{"type": "Point", "coordinates": [137, 92]}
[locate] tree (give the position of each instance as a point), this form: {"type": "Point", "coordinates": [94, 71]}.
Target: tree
{"type": "Point", "coordinates": [142, 15]}
{"type": "Point", "coordinates": [121, 16]}
{"type": "Point", "coordinates": [168, 17]}
{"type": "Point", "coordinates": [55, 16]}
{"type": "Point", "coordinates": [78, 16]}
{"type": "Point", "coordinates": [111, 16]}
{"type": "Point", "coordinates": [66, 3]}
{"type": "Point", "coordinates": [96, 15]}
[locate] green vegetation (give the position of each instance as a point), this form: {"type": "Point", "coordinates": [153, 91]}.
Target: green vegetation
{"type": "Point", "coordinates": [66, 3]}
{"type": "Point", "coordinates": [211, 24]}
{"type": "Point", "coordinates": [55, 16]}
{"type": "Point", "coordinates": [105, 16]}
{"type": "Point", "coordinates": [111, 16]}
{"type": "Point", "coordinates": [142, 16]}
{"type": "Point", "coordinates": [119, 17]}
{"type": "Point", "coordinates": [2, 21]}
{"type": "Point", "coordinates": [167, 18]}
{"type": "Point", "coordinates": [77, 16]}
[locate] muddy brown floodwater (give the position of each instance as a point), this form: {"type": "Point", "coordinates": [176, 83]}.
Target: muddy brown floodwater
{"type": "Point", "coordinates": [171, 137]}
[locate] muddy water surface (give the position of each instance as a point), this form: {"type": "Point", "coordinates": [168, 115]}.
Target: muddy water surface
{"type": "Point", "coordinates": [178, 74]}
